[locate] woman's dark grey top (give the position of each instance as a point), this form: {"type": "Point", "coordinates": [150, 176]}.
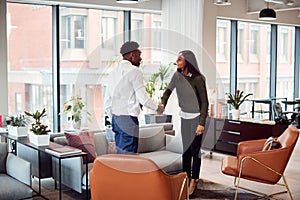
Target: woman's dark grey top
{"type": "Point", "coordinates": [191, 92]}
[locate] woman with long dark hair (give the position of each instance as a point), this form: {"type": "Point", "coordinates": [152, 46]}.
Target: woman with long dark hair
{"type": "Point", "coordinates": [192, 99]}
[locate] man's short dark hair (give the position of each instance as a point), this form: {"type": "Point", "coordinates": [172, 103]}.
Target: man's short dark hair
{"type": "Point", "coordinates": [128, 47]}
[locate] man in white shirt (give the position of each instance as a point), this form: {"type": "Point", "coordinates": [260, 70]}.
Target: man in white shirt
{"type": "Point", "coordinates": [125, 93]}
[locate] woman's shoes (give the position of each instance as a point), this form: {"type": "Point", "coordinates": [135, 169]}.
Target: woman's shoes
{"type": "Point", "coordinates": [192, 187]}
{"type": "Point", "coordinates": [191, 195]}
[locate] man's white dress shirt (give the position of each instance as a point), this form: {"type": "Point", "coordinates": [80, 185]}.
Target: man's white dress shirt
{"type": "Point", "coordinates": [126, 91]}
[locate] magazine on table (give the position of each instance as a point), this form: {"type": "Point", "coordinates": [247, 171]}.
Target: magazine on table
{"type": "Point", "coordinates": [63, 150]}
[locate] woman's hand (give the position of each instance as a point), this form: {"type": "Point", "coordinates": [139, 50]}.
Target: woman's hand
{"type": "Point", "coordinates": [200, 130]}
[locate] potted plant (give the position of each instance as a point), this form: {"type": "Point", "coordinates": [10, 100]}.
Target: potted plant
{"type": "Point", "coordinates": [155, 87]}
{"type": "Point", "coordinates": [17, 125]}
{"type": "Point", "coordinates": [74, 109]}
{"type": "Point", "coordinates": [236, 100]}
{"type": "Point", "coordinates": [38, 134]}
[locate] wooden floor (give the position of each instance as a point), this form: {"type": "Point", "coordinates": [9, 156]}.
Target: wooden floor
{"type": "Point", "coordinates": [211, 170]}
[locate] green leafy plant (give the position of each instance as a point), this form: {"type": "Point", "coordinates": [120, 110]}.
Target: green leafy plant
{"type": "Point", "coordinates": [37, 127]}
{"type": "Point", "coordinates": [18, 120]}
{"type": "Point", "coordinates": [237, 99]}
{"type": "Point", "coordinates": [157, 83]}
{"type": "Point", "coordinates": [74, 108]}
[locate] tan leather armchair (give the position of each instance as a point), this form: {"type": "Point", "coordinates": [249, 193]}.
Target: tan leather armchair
{"type": "Point", "coordinates": [115, 176]}
{"type": "Point", "coordinates": [267, 167]}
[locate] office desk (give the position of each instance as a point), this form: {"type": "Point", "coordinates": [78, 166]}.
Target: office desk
{"type": "Point", "coordinates": [269, 101]}
{"type": "Point", "coordinates": [42, 149]}
{"type": "Point", "coordinates": [296, 102]}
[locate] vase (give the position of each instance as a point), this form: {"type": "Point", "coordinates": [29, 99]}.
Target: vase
{"type": "Point", "coordinates": [235, 114]}
{"type": "Point", "coordinates": [39, 140]}
{"type": "Point", "coordinates": [76, 124]}
{"type": "Point", "coordinates": [17, 131]}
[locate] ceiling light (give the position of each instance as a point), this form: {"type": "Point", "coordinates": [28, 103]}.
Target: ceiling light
{"type": "Point", "coordinates": [222, 2]}
{"type": "Point", "coordinates": [127, 1]}
{"type": "Point", "coordinates": [267, 14]}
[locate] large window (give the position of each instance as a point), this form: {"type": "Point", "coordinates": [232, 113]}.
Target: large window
{"type": "Point", "coordinates": [222, 55]}
{"type": "Point", "coordinates": [253, 75]}
{"type": "Point", "coordinates": [29, 59]}
{"type": "Point", "coordinates": [285, 62]}
{"type": "Point", "coordinates": [254, 60]}
{"type": "Point", "coordinates": [83, 71]}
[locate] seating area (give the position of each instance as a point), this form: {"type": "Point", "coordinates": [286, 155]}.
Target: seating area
{"type": "Point", "coordinates": [153, 144]}
{"type": "Point", "coordinates": [248, 153]}
{"type": "Point", "coordinates": [61, 96]}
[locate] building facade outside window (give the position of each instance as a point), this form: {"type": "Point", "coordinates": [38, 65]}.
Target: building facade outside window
{"type": "Point", "coordinates": [253, 73]}
{"type": "Point", "coordinates": [285, 63]}
{"type": "Point", "coordinates": [73, 31]}
{"type": "Point", "coordinates": [29, 59]}
{"type": "Point", "coordinates": [109, 26]}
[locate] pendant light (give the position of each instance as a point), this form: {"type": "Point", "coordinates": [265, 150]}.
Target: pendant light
{"type": "Point", "coordinates": [267, 14]}
{"type": "Point", "coordinates": [127, 1]}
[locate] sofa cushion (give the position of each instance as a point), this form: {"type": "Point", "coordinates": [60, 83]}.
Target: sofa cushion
{"type": "Point", "coordinates": [168, 161]}
{"type": "Point", "coordinates": [13, 189]}
{"type": "Point", "coordinates": [101, 143]}
{"type": "Point", "coordinates": [151, 139]}
{"type": "Point", "coordinates": [3, 155]}
{"type": "Point", "coordinates": [82, 140]}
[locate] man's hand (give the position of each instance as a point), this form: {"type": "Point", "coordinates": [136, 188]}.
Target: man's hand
{"type": "Point", "coordinates": [160, 109]}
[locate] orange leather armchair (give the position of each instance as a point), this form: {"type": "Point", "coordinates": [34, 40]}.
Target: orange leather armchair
{"type": "Point", "coordinates": [267, 167]}
{"type": "Point", "coordinates": [116, 176]}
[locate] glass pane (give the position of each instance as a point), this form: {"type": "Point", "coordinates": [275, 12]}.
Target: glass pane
{"type": "Point", "coordinates": [222, 57]}
{"type": "Point", "coordinates": [146, 30]}
{"type": "Point", "coordinates": [30, 59]}
{"type": "Point", "coordinates": [253, 68]}
{"type": "Point", "coordinates": [109, 27]}
{"type": "Point", "coordinates": [90, 42]}
{"type": "Point", "coordinates": [285, 63]}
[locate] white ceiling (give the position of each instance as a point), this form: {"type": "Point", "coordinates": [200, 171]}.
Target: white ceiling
{"type": "Point", "coordinates": [257, 5]}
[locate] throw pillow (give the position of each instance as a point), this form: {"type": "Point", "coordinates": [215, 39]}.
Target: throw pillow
{"type": "Point", "coordinates": [82, 140]}
{"type": "Point", "coordinates": [271, 143]}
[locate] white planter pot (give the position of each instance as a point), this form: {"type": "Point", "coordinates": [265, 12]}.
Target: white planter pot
{"type": "Point", "coordinates": [39, 140]}
{"type": "Point", "coordinates": [17, 131]}
{"type": "Point", "coordinates": [235, 114]}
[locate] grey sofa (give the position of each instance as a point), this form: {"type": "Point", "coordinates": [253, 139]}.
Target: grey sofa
{"type": "Point", "coordinates": [163, 149]}
{"type": "Point", "coordinates": [15, 176]}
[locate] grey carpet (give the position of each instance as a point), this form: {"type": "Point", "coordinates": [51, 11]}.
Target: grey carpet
{"type": "Point", "coordinates": [210, 190]}
{"type": "Point", "coordinates": [206, 191]}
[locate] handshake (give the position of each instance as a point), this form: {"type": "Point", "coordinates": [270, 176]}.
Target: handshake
{"type": "Point", "coordinates": [160, 109]}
